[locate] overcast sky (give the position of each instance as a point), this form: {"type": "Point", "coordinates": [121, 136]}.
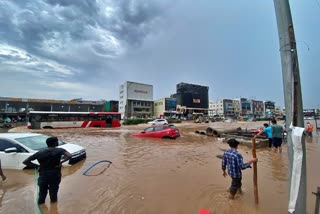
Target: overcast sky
{"type": "Point", "coordinates": [65, 49]}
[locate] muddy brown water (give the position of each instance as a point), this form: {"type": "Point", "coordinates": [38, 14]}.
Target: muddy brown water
{"type": "Point", "coordinates": [158, 176]}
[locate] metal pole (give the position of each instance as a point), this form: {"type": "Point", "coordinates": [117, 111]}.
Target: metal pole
{"type": "Point", "coordinates": [315, 119]}
{"type": "Point", "coordinates": [292, 91]}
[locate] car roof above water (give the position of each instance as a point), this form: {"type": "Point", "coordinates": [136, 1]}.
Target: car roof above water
{"type": "Point", "coordinates": [17, 135]}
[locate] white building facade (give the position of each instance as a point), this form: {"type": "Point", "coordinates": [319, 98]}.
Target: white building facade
{"type": "Point", "coordinates": [135, 100]}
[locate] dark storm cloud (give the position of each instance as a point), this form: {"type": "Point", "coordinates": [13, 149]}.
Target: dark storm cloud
{"type": "Point", "coordinates": [32, 23]}
{"type": "Point", "coordinates": [75, 38]}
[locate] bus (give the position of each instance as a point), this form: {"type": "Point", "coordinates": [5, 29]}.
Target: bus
{"type": "Point", "coordinates": [57, 120]}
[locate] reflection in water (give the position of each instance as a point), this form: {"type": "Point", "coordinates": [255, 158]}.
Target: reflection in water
{"type": "Point", "coordinates": [155, 176]}
{"type": "Point", "coordinates": [3, 191]}
{"type": "Point", "coordinates": [49, 209]}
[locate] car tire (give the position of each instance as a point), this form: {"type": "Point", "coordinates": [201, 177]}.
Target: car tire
{"type": "Point", "coordinates": [165, 137]}
{"type": "Point", "coordinates": [47, 127]}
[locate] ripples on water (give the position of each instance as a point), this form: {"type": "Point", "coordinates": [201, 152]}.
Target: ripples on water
{"type": "Point", "coordinates": [156, 176]}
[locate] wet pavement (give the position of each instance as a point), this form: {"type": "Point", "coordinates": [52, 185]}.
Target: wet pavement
{"type": "Point", "coordinates": [159, 176]}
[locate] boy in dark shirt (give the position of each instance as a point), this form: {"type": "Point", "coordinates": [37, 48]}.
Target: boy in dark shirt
{"type": "Point", "coordinates": [233, 160]}
{"type": "Point", "coordinates": [49, 169]}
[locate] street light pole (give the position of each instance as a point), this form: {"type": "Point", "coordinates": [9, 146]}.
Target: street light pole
{"type": "Point", "coordinates": [292, 93]}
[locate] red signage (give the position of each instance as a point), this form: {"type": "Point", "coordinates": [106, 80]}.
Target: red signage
{"type": "Point", "coordinates": [196, 100]}
{"type": "Point", "coordinates": [141, 91]}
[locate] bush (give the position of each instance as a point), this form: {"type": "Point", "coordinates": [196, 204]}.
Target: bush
{"type": "Point", "coordinates": [135, 121]}
{"type": "Point", "coordinates": [173, 121]}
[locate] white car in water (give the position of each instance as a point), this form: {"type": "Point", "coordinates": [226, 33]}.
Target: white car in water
{"type": "Point", "coordinates": [158, 122]}
{"type": "Point", "coordinates": [16, 147]}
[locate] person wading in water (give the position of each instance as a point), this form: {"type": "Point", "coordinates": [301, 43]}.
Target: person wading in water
{"type": "Point", "coordinates": [233, 160]}
{"type": "Point", "coordinates": [50, 169]}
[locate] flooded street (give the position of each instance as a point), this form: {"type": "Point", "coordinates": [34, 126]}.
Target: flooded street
{"type": "Point", "coordinates": [158, 176]}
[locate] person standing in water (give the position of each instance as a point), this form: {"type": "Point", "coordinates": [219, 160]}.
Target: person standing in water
{"type": "Point", "coordinates": [233, 160]}
{"type": "Point", "coordinates": [277, 135]}
{"type": "Point", "coordinates": [309, 129]}
{"type": "Point", "coordinates": [268, 131]}
{"type": "Point", "coordinates": [49, 169]}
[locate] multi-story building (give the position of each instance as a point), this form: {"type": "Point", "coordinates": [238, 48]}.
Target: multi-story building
{"type": "Point", "coordinates": [226, 107]}
{"type": "Point", "coordinates": [194, 97]}
{"type": "Point", "coordinates": [257, 108]}
{"type": "Point", "coordinates": [135, 100]}
{"type": "Point", "coordinates": [165, 107]}
{"type": "Point", "coordinates": [245, 107]}
{"type": "Point", "coordinates": [236, 107]}
{"type": "Point", "coordinates": [212, 109]}
{"type": "Point", "coordinates": [216, 108]}
{"type": "Point", "coordinates": [269, 108]}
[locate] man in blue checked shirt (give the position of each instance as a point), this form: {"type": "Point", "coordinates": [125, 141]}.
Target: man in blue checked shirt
{"type": "Point", "coordinates": [233, 160]}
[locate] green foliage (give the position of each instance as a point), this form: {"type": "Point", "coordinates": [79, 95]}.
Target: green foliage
{"type": "Point", "coordinates": [135, 121]}
{"type": "Point", "coordinates": [173, 121]}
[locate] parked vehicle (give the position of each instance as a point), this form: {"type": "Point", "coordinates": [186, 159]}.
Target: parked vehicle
{"type": "Point", "coordinates": [158, 122]}
{"type": "Point", "coordinates": [16, 147]}
{"type": "Point", "coordinates": [160, 131]}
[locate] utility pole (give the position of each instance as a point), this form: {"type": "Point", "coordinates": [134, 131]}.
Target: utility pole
{"type": "Point", "coordinates": [292, 92]}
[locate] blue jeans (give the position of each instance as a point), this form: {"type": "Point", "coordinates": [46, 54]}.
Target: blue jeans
{"type": "Point", "coordinates": [48, 181]}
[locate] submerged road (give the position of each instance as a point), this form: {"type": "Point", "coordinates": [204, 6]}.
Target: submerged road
{"type": "Point", "coordinates": [158, 176]}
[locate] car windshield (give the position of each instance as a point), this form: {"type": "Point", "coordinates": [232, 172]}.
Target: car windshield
{"type": "Point", "coordinates": [37, 142]}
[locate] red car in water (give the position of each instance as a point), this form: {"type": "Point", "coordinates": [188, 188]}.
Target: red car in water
{"type": "Point", "coordinates": [160, 131]}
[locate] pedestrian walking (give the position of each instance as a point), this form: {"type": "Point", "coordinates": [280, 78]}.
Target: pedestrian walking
{"type": "Point", "coordinates": [233, 161]}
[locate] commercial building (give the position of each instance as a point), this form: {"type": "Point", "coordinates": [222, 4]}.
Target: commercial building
{"type": "Point", "coordinates": [245, 107]}
{"type": "Point", "coordinates": [13, 107]}
{"type": "Point", "coordinates": [166, 107]}
{"type": "Point", "coordinates": [269, 108]}
{"type": "Point", "coordinates": [195, 98]}
{"type": "Point", "coordinates": [135, 100]}
{"type": "Point", "coordinates": [212, 108]}
{"type": "Point", "coordinates": [226, 107]}
{"type": "Point", "coordinates": [257, 108]}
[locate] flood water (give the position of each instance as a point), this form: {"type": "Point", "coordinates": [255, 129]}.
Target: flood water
{"type": "Point", "coordinates": [159, 176]}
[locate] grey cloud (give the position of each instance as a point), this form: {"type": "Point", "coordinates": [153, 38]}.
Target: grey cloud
{"type": "Point", "coordinates": [77, 40]}
{"type": "Point", "coordinates": [64, 29]}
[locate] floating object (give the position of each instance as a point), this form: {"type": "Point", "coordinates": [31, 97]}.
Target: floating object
{"type": "Point", "coordinates": [96, 163]}
{"type": "Point", "coordinates": [203, 132]}
{"type": "Point", "coordinates": [203, 211]}
{"type": "Point", "coordinates": [218, 132]}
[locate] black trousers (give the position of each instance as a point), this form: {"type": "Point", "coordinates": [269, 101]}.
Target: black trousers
{"type": "Point", "coordinates": [235, 185]}
{"type": "Point", "coordinates": [48, 181]}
